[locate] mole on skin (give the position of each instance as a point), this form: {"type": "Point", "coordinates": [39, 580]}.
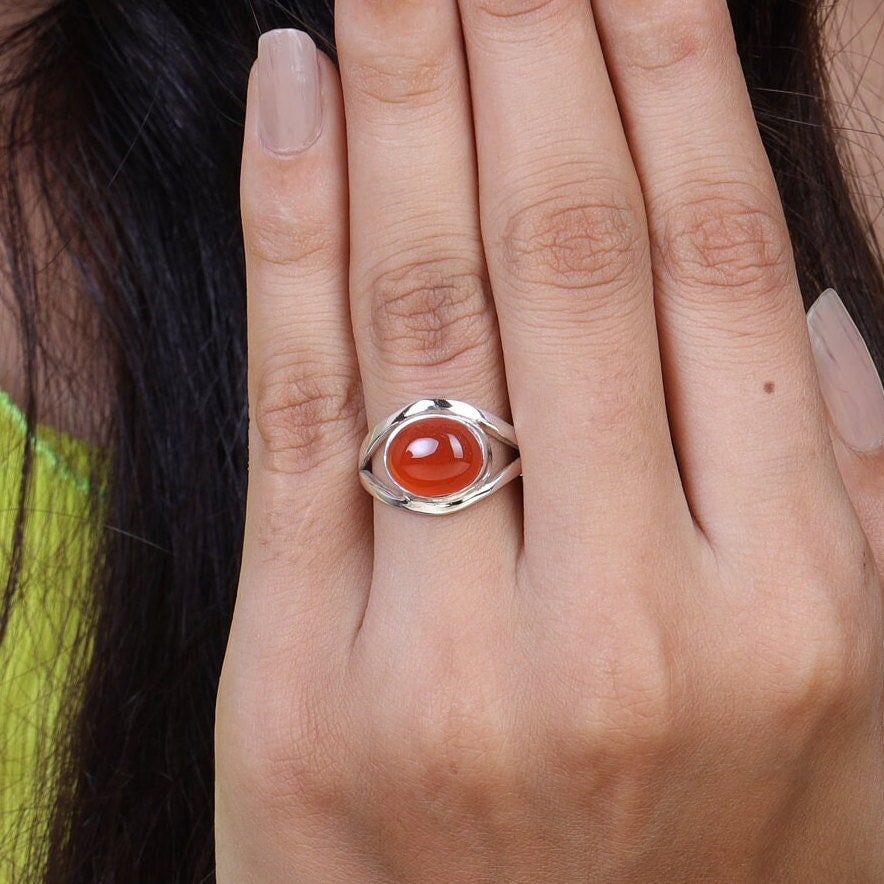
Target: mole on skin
{"type": "Point", "coordinates": [769, 387]}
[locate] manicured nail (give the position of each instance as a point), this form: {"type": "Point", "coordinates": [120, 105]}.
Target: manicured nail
{"type": "Point", "coordinates": [849, 380]}
{"type": "Point", "coordinates": [289, 106]}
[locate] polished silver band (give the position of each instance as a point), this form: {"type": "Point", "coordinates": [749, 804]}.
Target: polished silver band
{"type": "Point", "coordinates": [484, 427]}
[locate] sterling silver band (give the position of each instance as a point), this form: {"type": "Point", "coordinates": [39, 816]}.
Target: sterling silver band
{"type": "Point", "coordinates": [484, 426]}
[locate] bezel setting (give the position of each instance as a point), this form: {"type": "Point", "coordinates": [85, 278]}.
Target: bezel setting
{"type": "Point", "coordinates": [483, 426]}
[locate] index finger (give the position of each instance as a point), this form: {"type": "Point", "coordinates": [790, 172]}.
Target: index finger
{"type": "Point", "coordinates": [306, 560]}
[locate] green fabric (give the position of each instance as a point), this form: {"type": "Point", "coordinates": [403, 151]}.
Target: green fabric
{"type": "Point", "coordinates": [46, 624]}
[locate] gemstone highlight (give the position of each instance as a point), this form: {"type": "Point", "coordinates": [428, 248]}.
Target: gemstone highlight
{"type": "Point", "coordinates": [434, 457]}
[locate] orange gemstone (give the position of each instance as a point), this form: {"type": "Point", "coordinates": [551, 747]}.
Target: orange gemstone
{"type": "Point", "coordinates": [434, 457]}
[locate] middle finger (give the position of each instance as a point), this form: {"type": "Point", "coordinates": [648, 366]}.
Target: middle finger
{"type": "Point", "coordinates": [569, 261]}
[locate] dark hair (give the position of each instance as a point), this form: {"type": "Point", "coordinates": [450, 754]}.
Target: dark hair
{"type": "Point", "coordinates": [128, 116]}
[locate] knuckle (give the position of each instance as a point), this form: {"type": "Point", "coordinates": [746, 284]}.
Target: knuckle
{"type": "Point", "coordinates": [684, 36]}
{"type": "Point", "coordinates": [281, 233]}
{"type": "Point", "coordinates": [515, 10]}
{"type": "Point", "coordinates": [455, 738]}
{"type": "Point", "coordinates": [636, 710]}
{"type": "Point", "coordinates": [284, 756]}
{"type": "Point", "coordinates": [574, 244]}
{"type": "Point", "coordinates": [819, 674]}
{"type": "Point", "coordinates": [429, 313]}
{"type": "Point", "coordinates": [728, 243]}
{"type": "Point", "coordinates": [305, 414]}
{"type": "Point", "coordinates": [621, 703]}
{"type": "Point", "coordinates": [816, 659]}
{"type": "Point", "coordinates": [393, 79]}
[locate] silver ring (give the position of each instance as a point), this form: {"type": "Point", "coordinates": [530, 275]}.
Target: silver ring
{"type": "Point", "coordinates": [438, 456]}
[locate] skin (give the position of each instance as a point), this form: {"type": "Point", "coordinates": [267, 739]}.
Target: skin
{"type": "Point", "coordinates": [622, 668]}
{"type": "Point", "coordinates": [577, 694]}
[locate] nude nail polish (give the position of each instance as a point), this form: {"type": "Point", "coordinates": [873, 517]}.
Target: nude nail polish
{"type": "Point", "coordinates": [289, 105]}
{"type": "Point", "coordinates": [848, 378]}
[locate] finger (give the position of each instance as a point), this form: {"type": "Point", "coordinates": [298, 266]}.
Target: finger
{"type": "Point", "coordinates": [306, 560]}
{"type": "Point", "coordinates": [863, 477]}
{"type": "Point", "coordinates": [739, 376]}
{"type": "Point", "coordinates": [422, 310]}
{"type": "Point", "coordinates": [568, 258]}
{"type": "Point", "coordinates": [854, 398]}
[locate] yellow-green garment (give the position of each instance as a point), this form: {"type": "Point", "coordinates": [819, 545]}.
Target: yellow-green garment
{"type": "Point", "coordinates": [36, 652]}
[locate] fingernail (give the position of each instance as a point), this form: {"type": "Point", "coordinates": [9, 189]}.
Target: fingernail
{"type": "Point", "coordinates": [289, 107]}
{"type": "Point", "coordinates": [848, 378]}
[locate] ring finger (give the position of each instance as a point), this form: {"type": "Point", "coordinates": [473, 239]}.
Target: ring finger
{"type": "Point", "coordinates": [423, 316]}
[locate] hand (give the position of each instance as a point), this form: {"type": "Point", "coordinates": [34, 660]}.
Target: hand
{"type": "Point", "coordinates": [627, 666]}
